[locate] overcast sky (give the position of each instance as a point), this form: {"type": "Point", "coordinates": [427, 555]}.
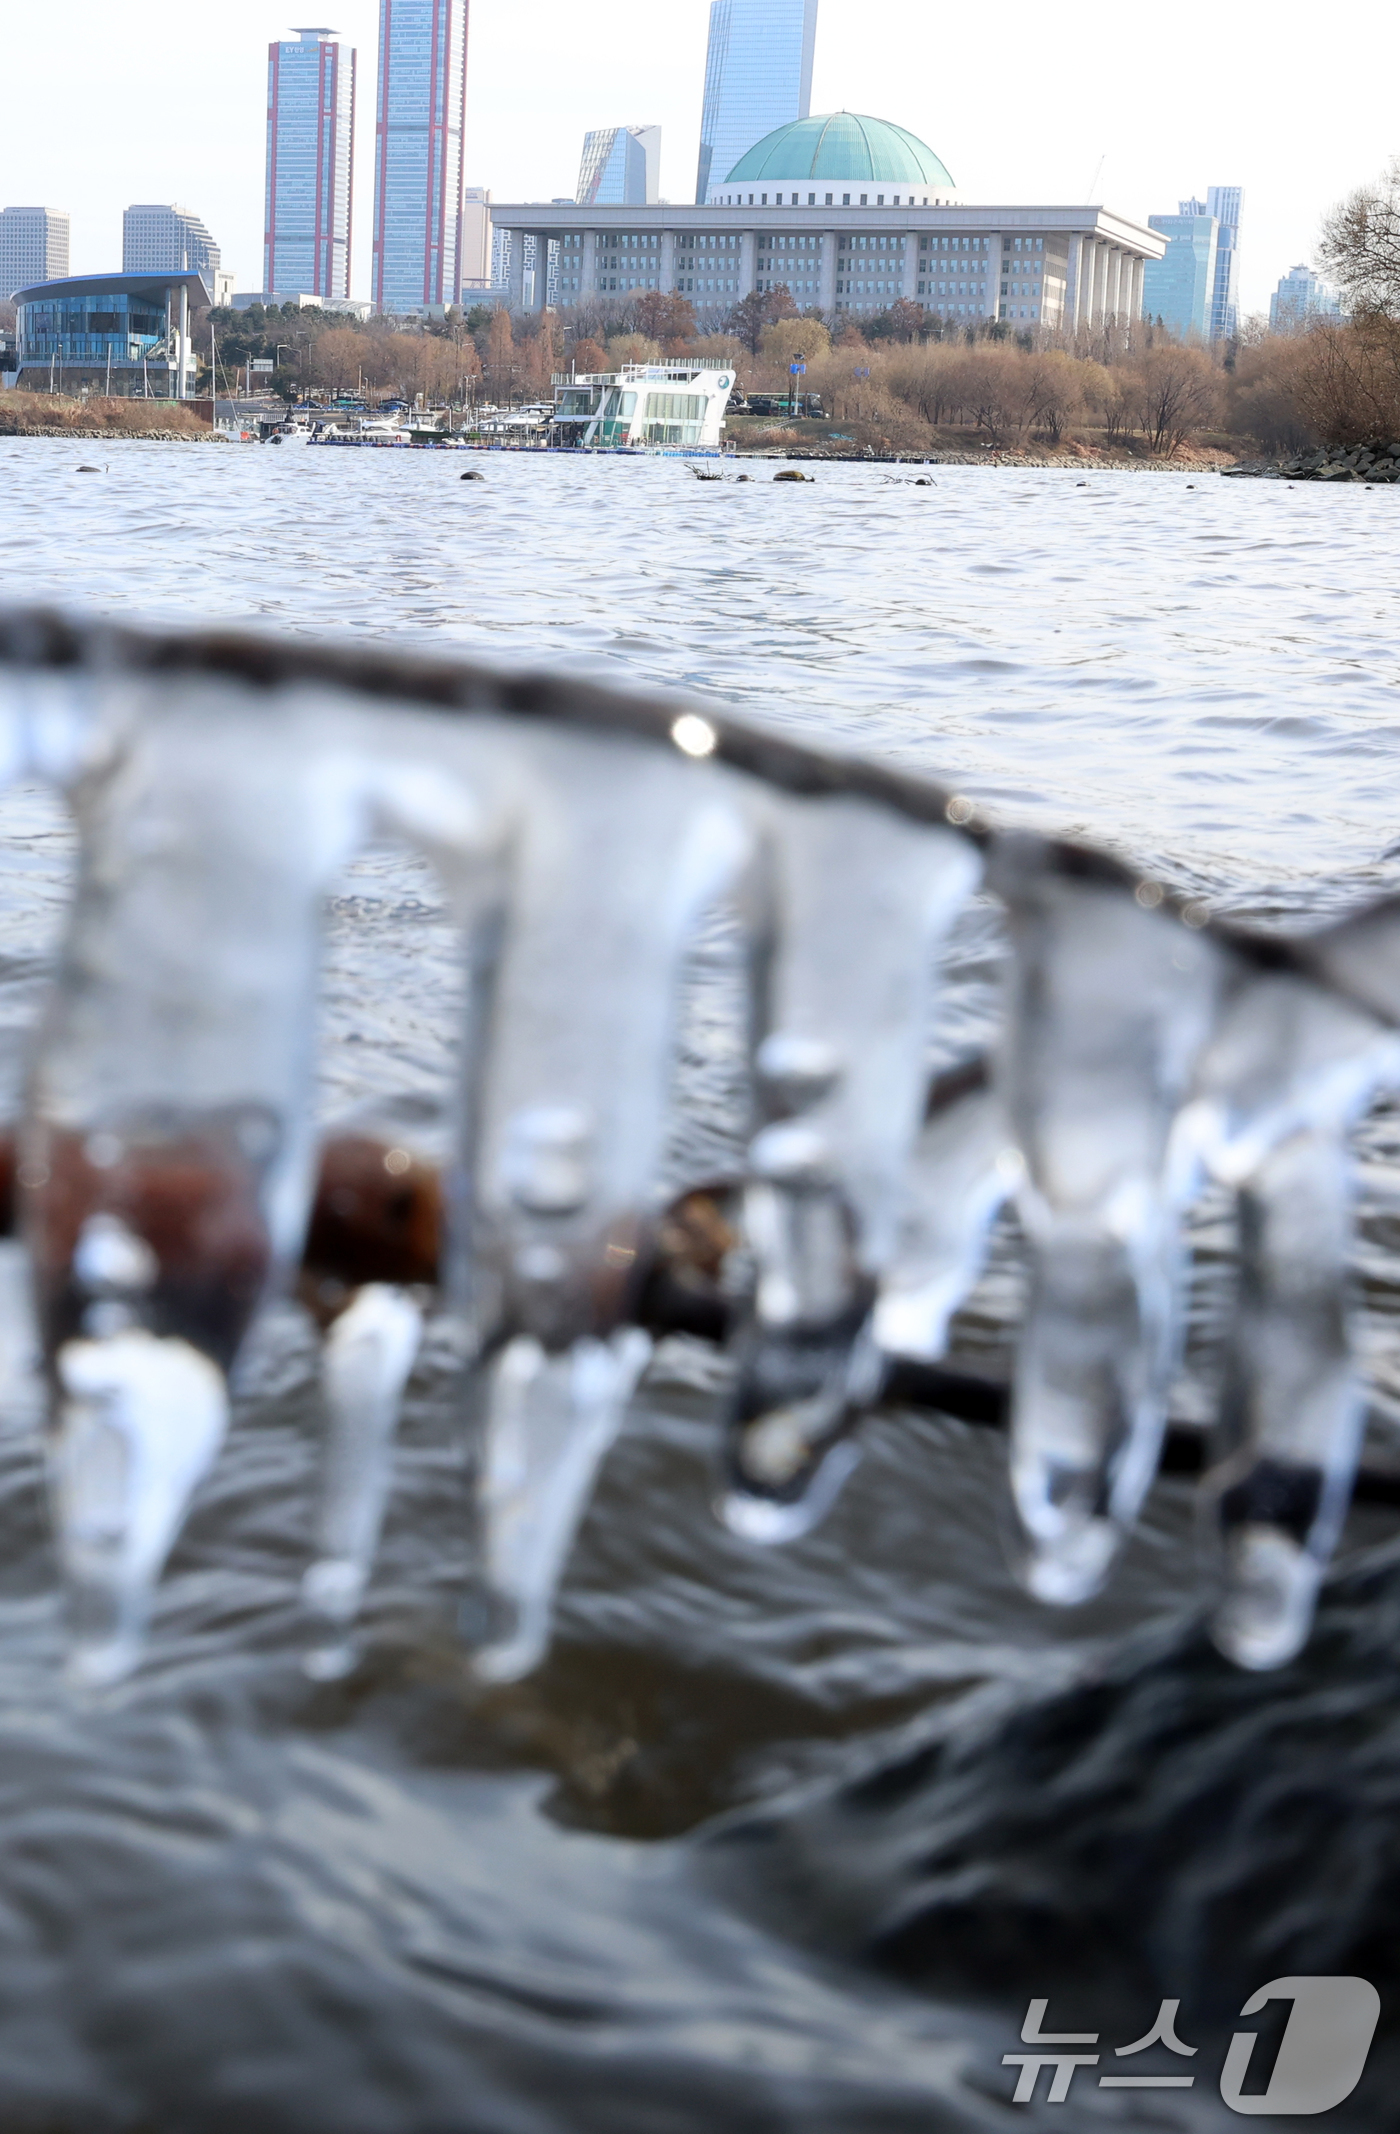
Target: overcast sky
{"type": "Point", "coordinates": [1133, 107]}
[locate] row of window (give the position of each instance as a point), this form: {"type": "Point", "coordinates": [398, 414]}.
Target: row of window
{"type": "Point", "coordinates": [794, 200]}
{"type": "Point", "coordinates": [949, 289]}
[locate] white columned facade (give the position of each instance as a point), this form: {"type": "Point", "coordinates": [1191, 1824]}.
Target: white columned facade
{"type": "Point", "coordinates": [1139, 271]}
{"type": "Point", "coordinates": [1067, 318]}
{"type": "Point", "coordinates": [1100, 282]}
{"type": "Point", "coordinates": [1103, 253]}
{"type": "Point", "coordinates": [827, 295]}
{"type": "Point", "coordinates": [993, 298]}
{"type": "Point", "coordinates": [748, 255]}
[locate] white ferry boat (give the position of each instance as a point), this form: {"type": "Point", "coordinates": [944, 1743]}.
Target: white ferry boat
{"type": "Point", "coordinates": [644, 407]}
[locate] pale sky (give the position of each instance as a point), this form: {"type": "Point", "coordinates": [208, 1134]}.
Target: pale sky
{"type": "Point", "coordinates": [1028, 104]}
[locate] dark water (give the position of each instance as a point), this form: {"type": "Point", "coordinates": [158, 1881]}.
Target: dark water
{"type": "Point", "coordinates": [775, 1840]}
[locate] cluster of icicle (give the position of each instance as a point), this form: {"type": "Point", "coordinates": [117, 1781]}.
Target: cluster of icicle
{"type": "Point", "coordinates": [169, 1178]}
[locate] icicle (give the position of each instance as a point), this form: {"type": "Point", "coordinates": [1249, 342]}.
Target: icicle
{"type": "Point", "coordinates": [859, 904]}
{"type": "Point", "coordinates": [368, 1355]}
{"type": "Point", "coordinates": [373, 1254]}
{"type": "Point", "coordinates": [165, 1163]}
{"type": "Point", "coordinates": [549, 1423]}
{"type": "Point", "coordinates": [1292, 1415]}
{"type": "Point", "coordinates": [139, 1423]}
{"type": "Point", "coordinates": [1287, 1073]}
{"type": "Point", "coordinates": [617, 853]}
{"type": "Point", "coordinates": [964, 1166]}
{"type": "Point", "coordinates": [1111, 1002]}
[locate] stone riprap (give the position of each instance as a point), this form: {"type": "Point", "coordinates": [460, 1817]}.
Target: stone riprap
{"type": "Point", "coordinates": [1329, 463]}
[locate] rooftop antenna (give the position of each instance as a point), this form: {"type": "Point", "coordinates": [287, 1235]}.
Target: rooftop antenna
{"type": "Point", "coordinates": [1098, 171]}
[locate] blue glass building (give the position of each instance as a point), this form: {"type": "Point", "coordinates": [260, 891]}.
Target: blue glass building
{"type": "Point", "coordinates": [620, 166]}
{"type": "Point", "coordinates": [758, 76]}
{"type": "Point", "coordinates": [1224, 202]}
{"type": "Point", "coordinates": [1179, 288]}
{"type": "Point", "coordinates": [121, 333]}
{"type": "Point", "coordinates": [418, 153]}
{"type": "Point", "coordinates": [310, 143]}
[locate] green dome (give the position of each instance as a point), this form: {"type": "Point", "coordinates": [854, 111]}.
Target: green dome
{"type": "Point", "coordinates": [842, 148]}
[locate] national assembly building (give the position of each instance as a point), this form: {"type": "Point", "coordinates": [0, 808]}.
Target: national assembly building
{"type": "Point", "coordinates": [849, 214]}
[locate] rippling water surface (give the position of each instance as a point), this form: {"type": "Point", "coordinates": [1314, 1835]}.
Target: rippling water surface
{"type": "Point", "coordinates": [775, 1840]}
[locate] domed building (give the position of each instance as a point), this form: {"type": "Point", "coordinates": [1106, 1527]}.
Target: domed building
{"type": "Point", "coordinates": [849, 215]}
{"type": "Point", "coordinates": [842, 150]}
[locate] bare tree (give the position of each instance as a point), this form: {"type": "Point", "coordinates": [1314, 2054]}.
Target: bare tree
{"type": "Point", "coordinates": [1360, 245]}
{"type": "Point", "coordinates": [338, 357]}
{"type": "Point", "coordinates": [663, 315]}
{"type": "Point", "coordinates": [760, 308]}
{"type": "Point", "coordinates": [1054, 392]}
{"type": "Point", "coordinates": [1174, 391]}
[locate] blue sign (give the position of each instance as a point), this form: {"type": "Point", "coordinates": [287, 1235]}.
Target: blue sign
{"type": "Point", "coordinates": [798, 370]}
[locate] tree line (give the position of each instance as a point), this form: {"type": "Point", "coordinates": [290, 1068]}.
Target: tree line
{"type": "Point", "coordinates": [896, 378]}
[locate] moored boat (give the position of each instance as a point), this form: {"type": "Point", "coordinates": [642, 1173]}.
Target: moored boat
{"type": "Point", "coordinates": [644, 407]}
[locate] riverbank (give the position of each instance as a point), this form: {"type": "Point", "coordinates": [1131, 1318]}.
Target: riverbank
{"type": "Point", "coordinates": [56, 415]}
{"type": "Point", "coordinates": [946, 445]}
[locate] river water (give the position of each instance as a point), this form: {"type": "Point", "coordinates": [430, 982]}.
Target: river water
{"type": "Point", "coordinates": [775, 1840]}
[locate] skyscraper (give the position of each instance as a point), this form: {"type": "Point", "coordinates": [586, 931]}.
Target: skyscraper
{"type": "Point", "coordinates": [758, 75]}
{"type": "Point", "coordinates": [33, 247]}
{"type": "Point", "coordinates": [1224, 203]}
{"type": "Point", "coordinates": [418, 152]}
{"type": "Point", "coordinates": [163, 239]}
{"type": "Point", "coordinates": [1179, 288]}
{"type": "Point", "coordinates": [310, 150]}
{"type": "Point", "coordinates": [620, 167]}
{"type": "Point", "coordinates": [1300, 296]}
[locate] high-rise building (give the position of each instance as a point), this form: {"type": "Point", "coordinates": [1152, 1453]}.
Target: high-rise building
{"type": "Point", "coordinates": [758, 76]}
{"type": "Point", "coordinates": [1300, 296]}
{"type": "Point", "coordinates": [418, 153]}
{"type": "Point", "coordinates": [310, 164]}
{"type": "Point", "coordinates": [1179, 288]}
{"type": "Point", "coordinates": [621, 167]}
{"type": "Point", "coordinates": [33, 247]}
{"type": "Point", "coordinates": [167, 240]}
{"type": "Point", "coordinates": [474, 263]}
{"type": "Point", "coordinates": [1224, 202]}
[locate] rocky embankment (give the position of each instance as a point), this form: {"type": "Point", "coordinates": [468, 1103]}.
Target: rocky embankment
{"type": "Point", "coordinates": [1330, 463]}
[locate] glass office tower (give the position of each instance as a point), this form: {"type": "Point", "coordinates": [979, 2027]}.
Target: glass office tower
{"type": "Point", "coordinates": [1225, 203]}
{"type": "Point", "coordinates": [620, 166]}
{"type": "Point", "coordinates": [1179, 288]}
{"type": "Point", "coordinates": [758, 76]}
{"type": "Point", "coordinates": [310, 152]}
{"type": "Point", "coordinates": [418, 152]}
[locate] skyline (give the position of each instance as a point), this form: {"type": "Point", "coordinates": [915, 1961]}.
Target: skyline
{"type": "Point", "coordinates": [1006, 127]}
